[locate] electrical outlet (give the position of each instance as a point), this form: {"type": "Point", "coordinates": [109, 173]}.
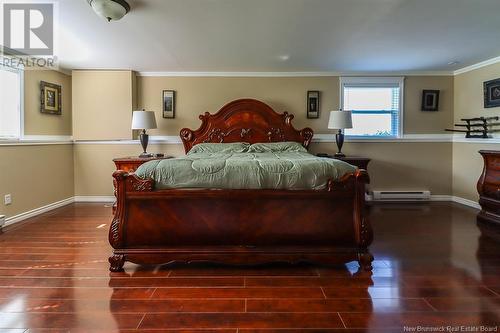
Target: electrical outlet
{"type": "Point", "coordinates": [8, 199]}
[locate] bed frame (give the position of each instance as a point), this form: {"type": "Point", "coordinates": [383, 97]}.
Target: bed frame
{"type": "Point", "coordinates": [241, 226]}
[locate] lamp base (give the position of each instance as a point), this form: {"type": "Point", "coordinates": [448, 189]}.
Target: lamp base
{"type": "Point", "coordinates": [339, 137]}
{"type": "Point", "coordinates": [144, 138]}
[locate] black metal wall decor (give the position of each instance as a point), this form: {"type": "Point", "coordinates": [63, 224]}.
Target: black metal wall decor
{"type": "Point", "coordinates": [492, 93]}
{"type": "Point", "coordinates": [480, 127]}
{"type": "Point", "coordinates": [168, 101]}
{"type": "Point", "coordinates": [430, 100]}
{"type": "Point", "coordinates": [312, 104]}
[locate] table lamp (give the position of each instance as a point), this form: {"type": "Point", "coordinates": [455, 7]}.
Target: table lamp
{"type": "Point", "coordinates": [144, 120]}
{"type": "Point", "coordinates": [340, 120]}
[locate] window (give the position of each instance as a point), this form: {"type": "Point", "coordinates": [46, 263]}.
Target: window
{"type": "Point", "coordinates": [376, 105]}
{"type": "Point", "coordinates": [10, 102]}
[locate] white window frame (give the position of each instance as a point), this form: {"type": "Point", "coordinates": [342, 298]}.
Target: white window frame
{"type": "Point", "coordinates": [375, 82]}
{"type": "Point", "coordinates": [21, 103]}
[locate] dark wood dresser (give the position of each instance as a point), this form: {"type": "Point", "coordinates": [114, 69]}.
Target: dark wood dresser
{"type": "Point", "coordinates": [488, 187]}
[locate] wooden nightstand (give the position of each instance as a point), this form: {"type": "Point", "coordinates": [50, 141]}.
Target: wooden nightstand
{"type": "Point", "coordinates": [360, 162]}
{"type": "Point", "coordinates": [130, 164]}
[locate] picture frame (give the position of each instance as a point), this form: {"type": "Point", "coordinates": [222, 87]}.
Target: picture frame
{"type": "Point", "coordinates": [492, 93]}
{"type": "Point", "coordinates": [313, 104]}
{"type": "Point", "coordinates": [430, 100]}
{"type": "Point", "coordinates": [168, 102]}
{"type": "Point", "coordinates": [50, 98]}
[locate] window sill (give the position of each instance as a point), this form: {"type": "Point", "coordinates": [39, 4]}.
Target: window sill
{"type": "Point", "coordinates": [389, 139]}
{"type": "Point", "coordinates": [37, 140]}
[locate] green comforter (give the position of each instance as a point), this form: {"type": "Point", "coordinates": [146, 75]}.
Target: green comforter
{"type": "Point", "coordinates": [282, 166]}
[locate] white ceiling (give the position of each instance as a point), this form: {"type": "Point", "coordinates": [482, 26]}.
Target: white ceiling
{"type": "Point", "coordinates": [281, 35]}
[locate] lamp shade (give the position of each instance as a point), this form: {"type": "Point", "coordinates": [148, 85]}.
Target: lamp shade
{"type": "Point", "coordinates": [340, 120]}
{"type": "Point", "coordinates": [143, 120]}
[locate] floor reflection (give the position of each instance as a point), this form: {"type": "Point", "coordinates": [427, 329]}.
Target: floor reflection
{"type": "Point", "coordinates": [200, 294]}
{"type": "Point", "coordinates": [433, 266]}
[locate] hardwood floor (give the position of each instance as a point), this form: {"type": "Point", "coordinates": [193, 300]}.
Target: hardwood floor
{"type": "Point", "coordinates": [432, 268]}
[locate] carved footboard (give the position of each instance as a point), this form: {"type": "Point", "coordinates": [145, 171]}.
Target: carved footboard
{"type": "Point", "coordinates": [240, 226]}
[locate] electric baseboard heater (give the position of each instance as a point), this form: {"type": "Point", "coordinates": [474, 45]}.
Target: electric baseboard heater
{"type": "Point", "coordinates": [401, 195]}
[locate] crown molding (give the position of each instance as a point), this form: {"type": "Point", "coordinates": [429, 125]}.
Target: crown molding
{"type": "Point", "coordinates": [111, 70]}
{"type": "Point", "coordinates": [290, 74]}
{"type": "Point", "coordinates": [294, 74]}
{"type": "Point", "coordinates": [61, 70]}
{"type": "Point", "coordinates": [481, 64]}
{"type": "Point", "coordinates": [65, 71]}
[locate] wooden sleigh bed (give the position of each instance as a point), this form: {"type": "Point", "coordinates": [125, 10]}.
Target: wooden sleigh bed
{"type": "Point", "coordinates": [241, 226]}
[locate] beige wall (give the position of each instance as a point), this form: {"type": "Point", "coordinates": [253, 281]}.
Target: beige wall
{"type": "Point", "coordinates": [35, 176]}
{"type": "Point", "coordinates": [37, 123]}
{"type": "Point", "coordinates": [196, 95]}
{"type": "Point", "coordinates": [94, 165]}
{"type": "Point", "coordinates": [469, 97]}
{"type": "Point", "coordinates": [467, 167]}
{"type": "Point", "coordinates": [103, 102]}
{"type": "Point", "coordinates": [468, 103]}
{"type": "Point", "coordinates": [419, 122]}
{"type": "Point", "coordinates": [403, 166]}
{"type": "Point", "coordinates": [395, 166]}
{"type": "Point", "coordinates": [38, 175]}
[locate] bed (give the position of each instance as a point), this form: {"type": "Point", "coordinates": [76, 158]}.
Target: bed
{"type": "Point", "coordinates": [324, 222]}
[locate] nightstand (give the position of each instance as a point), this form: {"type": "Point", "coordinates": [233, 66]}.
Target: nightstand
{"type": "Point", "coordinates": [130, 164]}
{"type": "Point", "coordinates": [360, 162]}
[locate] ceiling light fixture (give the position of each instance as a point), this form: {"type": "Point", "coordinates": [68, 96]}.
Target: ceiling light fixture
{"type": "Point", "coordinates": [111, 10]}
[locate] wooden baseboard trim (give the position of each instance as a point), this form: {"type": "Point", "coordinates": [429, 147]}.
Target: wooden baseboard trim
{"type": "Point", "coordinates": [94, 198]}
{"type": "Point", "coordinates": [459, 200]}
{"type": "Point", "coordinates": [441, 198]}
{"type": "Point", "coordinates": [37, 211]}
{"type": "Point", "coordinates": [466, 202]}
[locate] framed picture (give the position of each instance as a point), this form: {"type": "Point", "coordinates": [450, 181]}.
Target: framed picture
{"type": "Point", "coordinates": [50, 98]}
{"type": "Point", "coordinates": [168, 101]}
{"type": "Point", "coordinates": [430, 100]}
{"type": "Point", "coordinates": [313, 104]}
{"type": "Point", "coordinates": [492, 93]}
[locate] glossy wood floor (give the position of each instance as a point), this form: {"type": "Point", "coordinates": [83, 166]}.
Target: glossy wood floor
{"type": "Point", "coordinates": [432, 268]}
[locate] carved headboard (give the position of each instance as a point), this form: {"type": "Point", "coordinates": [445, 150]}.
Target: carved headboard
{"type": "Point", "coordinates": [245, 120]}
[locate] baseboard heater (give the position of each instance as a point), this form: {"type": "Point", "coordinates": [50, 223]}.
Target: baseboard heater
{"type": "Point", "coordinates": [401, 195]}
